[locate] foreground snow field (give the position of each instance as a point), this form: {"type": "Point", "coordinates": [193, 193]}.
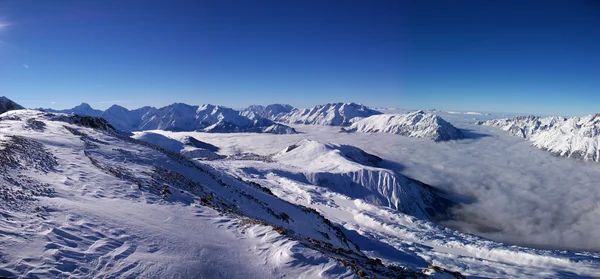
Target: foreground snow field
{"type": "Point", "coordinates": [512, 191]}
{"type": "Point", "coordinates": [79, 202]}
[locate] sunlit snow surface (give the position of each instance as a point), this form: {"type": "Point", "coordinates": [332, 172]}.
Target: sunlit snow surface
{"type": "Point", "coordinates": [512, 192]}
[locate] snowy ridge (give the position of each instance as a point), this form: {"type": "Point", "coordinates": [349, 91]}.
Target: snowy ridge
{"type": "Point", "coordinates": [104, 205]}
{"type": "Point", "coordinates": [577, 137]}
{"type": "Point", "coordinates": [272, 111]}
{"type": "Point", "coordinates": [336, 114]}
{"type": "Point", "coordinates": [415, 124]}
{"type": "Point", "coordinates": [355, 173]}
{"type": "Point", "coordinates": [8, 105]}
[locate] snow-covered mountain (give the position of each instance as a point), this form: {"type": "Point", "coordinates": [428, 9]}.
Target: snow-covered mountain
{"type": "Point", "coordinates": [183, 117]}
{"type": "Point", "coordinates": [357, 174]}
{"type": "Point", "coordinates": [127, 120]}
{"type": "Point", "coordinates": [82, 109]}
{"type": "Point", "coordinates": [336, 114]}
{"type": "Point", "coordinates": [416, 124]}
{"type": "Point", "coordinates": [272, 111]}
{"type": "Point", "coordinates": [220, 119]}
{"type": "Point", "coordinates": [7, 105]}
{"type": "Point", "coordinates": [82, 201]}
{"type": "Point", "coordinates": [577, 137]}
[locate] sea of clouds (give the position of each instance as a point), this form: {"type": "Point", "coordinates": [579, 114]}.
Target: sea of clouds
{"type": "Point", "coordinates": [512, 192]}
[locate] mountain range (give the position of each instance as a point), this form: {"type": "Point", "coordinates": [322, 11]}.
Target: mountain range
{"type": "Point", "coordinates": [182, 117]}
{"type": "Point", "coordinates": [268, 119]}
{"type": "Point", "coordinates": [576, 137]}
{"type": "Point", "coordinates": [335, 114]}
{"type": "Point", "coordinates": [83, 201]}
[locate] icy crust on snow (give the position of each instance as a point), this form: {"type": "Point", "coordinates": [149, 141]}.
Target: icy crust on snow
{"type": "Point", "coordinates": [335, 114]}
{"type": "Point", "coordinates": [577, 137]}
{"type": "Point", "coordinates": [349, 170]}
{"type": "Point", "coordinates": [120, 207]}
{"type": "Point", "coordinates": [417, 124]}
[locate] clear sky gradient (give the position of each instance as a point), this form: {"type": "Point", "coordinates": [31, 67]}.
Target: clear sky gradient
{"type": "Point", "coordinates": [526, 56]}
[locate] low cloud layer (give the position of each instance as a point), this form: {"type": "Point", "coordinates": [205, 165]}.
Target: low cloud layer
{"type": "Point", "coordinates": [521, 194]}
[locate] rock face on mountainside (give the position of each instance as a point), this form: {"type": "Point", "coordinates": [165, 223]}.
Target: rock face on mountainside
{"type": "Point", "coordinates": [336, 114]}
{"type": "Point", "coordinates": [415, 124]}
{"type": "Point", "coordinates": [82, 201]}
{"type": "Point", "coordinates": [355, 173]}
{"type": "Point", "coordinates": [183, 117]}
{"type": "Point", "coordinates": [7, 105]}
{"type": "Point", "coordinates": [577, 137]}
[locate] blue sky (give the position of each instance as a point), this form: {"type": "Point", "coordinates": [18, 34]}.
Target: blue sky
{"type": "Point", "coordinates": [512, 56]}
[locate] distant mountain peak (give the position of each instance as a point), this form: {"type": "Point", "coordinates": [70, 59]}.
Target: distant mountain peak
{"type": "Point", "coordinates": [332, 114]}
{"type": "Point", "coordinates": [418, 124]}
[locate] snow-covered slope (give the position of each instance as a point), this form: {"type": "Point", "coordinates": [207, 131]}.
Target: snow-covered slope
{"type": "Point", "coordinates": [7, 105]}
{"type": "Point", "coordinates": [82, 201]}
{"type": "Point", "coordinates": [415, 124]}
{"type": "Point", "coordinates": [577, 137]}
{"type": "Point", "coordinates": [355, 173]}
{"type": "Point", "coordinates": [336, 114]}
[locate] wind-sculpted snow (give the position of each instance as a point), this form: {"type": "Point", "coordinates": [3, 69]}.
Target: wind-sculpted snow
{"type": "Point", "coordinates": [415, 124]}
{"type": "Point", "coordinates": [355, 173]}
{"type": "Point", "coordinates": [121, 207]}
{"type": "Point", "coordinates": [336, 114]}
{"type": "Point", "coordinates": [577, 137]}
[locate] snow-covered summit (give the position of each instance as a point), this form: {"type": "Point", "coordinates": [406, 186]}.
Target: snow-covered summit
{"type": "Point", "coordinates": [417, 124]}
{"type": "Point", "coordinates": [577, 137]}
{"type": "Point", "coordinates": [7, 105]}
{"type": "Point", "coordinates": [357, 174]}
{"type": "Point", "coordinates": [272, 111]}
{"type": "Point", "coordinates": [335, 114]}
{"type": "Point", "coordinates": [81, 109]}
